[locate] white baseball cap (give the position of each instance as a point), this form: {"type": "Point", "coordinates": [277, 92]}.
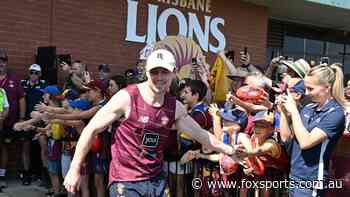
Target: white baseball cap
{"type": "Point", "coordinates": [160, 58]}
{"type": "Point", "coordinates": [35, 67]}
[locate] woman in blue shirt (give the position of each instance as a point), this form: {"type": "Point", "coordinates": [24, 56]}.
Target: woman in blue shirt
{"type": "Point", "coordinates": [314, 130]}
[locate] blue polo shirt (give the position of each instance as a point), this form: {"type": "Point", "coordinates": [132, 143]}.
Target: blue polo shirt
{"type": "Point", "coordinates": [305, 164]}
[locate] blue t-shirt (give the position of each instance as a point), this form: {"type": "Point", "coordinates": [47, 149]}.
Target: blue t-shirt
{"type": "Point", "coordinates": [331, 120]}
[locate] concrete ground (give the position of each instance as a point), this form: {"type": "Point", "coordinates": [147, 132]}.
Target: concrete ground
{"type": "Point", "coordinates": [16, 189]}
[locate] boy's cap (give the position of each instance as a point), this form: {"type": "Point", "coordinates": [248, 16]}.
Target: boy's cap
{"type": "Point", "coordinates": [54, 90]}
{"type": "Point", "coordinates": [233, 115]}
{"type": "Point", "coordinates": [264, 117]}
{"type": "Point", "coordinates": [81, 104]}
{"type": "Point", "coordinates": [299, 87]}
{"type": "Point", "coordinates": [130, 73]}
{"type": "Point", "coordinates": [97, 84]}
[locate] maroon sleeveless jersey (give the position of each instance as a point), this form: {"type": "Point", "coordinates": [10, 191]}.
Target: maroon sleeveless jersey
{"type": "Point", "coordinates": [137, 152]}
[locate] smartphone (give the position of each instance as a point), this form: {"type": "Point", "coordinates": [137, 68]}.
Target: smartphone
{"type": "Point", "coordinates": [272, 95]}
{"type": "Point", "coordinates": [324, 60]}
{"type": "Point", "coordinates": [245, 50]}
{"type": "Point", "coordinates": [194, 61]}
{"type": "Point", "coordinates": [285, 91]}
{"type": "Point", "coordinates": [230, 54]}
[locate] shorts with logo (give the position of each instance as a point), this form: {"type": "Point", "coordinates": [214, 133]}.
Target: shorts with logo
{"type": "Point", "coordinates": [153, 187]}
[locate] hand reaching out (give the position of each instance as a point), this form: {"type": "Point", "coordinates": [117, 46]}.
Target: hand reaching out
{"type": "Point", "coordinates": [214, 110]}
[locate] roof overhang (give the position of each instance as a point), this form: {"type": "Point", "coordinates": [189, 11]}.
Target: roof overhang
{"type": "Point", "coordinates": [333, 14]}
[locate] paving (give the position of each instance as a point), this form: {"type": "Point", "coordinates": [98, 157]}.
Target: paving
{"type": "Point", "coordinates": [16, 189]}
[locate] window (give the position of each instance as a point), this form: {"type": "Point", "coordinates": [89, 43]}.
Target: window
{"type": "Point", "coordinates": [293, 45]}
{"type": "Point", "coordinates": [314, 47]}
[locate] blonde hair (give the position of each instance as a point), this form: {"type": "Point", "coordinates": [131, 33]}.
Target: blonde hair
{"type": "Point", "coordinates": [331, 75]}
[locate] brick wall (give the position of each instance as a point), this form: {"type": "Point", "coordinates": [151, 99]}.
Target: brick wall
{"type": "Point", "coordinates": [94, 31]}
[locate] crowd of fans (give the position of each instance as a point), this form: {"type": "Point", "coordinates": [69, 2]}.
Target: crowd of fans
{"type": "Point", "coordinates": [286, 118]}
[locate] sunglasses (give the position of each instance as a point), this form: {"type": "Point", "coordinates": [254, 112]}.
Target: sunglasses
{"type": "Point", "coordinates": [32, 72]}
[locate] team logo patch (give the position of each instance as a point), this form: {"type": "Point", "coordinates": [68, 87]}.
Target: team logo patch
{"type": "Point", "coordinates": [160, 56]}
{"type": "Point", "coordinates": [150, 140]}
{"type": "Point", "coordinates": [164, 120]}
{"type": "Point", "coordinates": [318, 120]}
{"type": "Point", "coordinates": [120, 189]}
{"type": "Point", "coordinates": [143, 119]}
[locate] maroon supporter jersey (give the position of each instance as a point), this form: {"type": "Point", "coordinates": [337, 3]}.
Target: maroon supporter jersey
{"type": "Point", "coordinates": [14, 92]}
{"type": "Point", "coordinates": [137, 152]}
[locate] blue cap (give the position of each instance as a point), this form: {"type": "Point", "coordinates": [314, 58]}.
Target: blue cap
{"type": "Point", "coordinates": [264, 117]}
{"type": "Point", "coordinates": [54, 90]}
{"type": "Point", "coordinates": [299, 87]}
{"type": "Point", "coordinates": [82, 104]}
{"type": "Point", "coordinates": [130, 73]}
{"type": "Point", "coordinates": [233, 115]}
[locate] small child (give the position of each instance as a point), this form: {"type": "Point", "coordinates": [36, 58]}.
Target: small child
{"type": "Point", "coordinates": [267, 159]}
{"type": "Point", "coordinates": [296, 88]}
{"type": "Point", "coordinates": [233, 123]}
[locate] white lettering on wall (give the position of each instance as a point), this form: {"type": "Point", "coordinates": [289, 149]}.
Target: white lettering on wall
{"type": "Point", "coordinates": [217, 34]}
{"type": "Point", "coordinates": [131, 24]}
{"type": "Point", "coordinates": [162, 22]}
{"type": "Point", "coordinates": [195, 27]}
{"type": "Point", "coordinates": [188, 26]}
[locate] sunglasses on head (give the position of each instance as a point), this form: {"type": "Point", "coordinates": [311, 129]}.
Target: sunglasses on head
{"type": "Point", "coordinates": [33, 72]}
